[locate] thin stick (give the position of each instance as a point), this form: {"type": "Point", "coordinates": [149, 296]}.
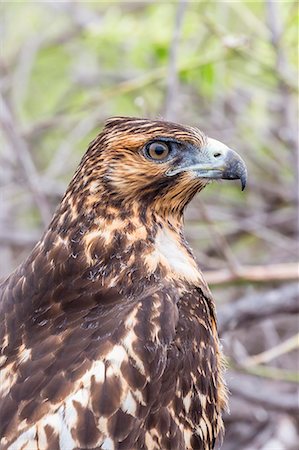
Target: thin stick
{"type": "Point", "coordinates": [258, 274]}
{"type": "Point", "coordinates": [172, 77]}
{"type": "Point", "coordinates": [272, 373]}
{"type": "Point", "coordinates": [221, 242]}
{"type": "Point", "coordinates": [280, 349]}
{"type": "Point", "coordinates": [21, 150]}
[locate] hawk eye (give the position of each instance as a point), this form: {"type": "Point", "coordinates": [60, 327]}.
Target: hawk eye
{"type": "Point", "coordinates": [158, 150]}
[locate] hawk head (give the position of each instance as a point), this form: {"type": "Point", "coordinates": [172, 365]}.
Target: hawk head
{"type": "Point", "coordinates": [156, 163]}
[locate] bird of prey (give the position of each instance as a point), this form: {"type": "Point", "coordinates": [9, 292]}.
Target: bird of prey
{"type": "Point", "coordinates": [108, 330]}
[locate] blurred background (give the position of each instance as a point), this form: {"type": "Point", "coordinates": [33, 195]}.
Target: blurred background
{"type": "Point", "coordinates": [229, 68]}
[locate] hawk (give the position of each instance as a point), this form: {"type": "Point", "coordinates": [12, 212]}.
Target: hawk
{"type": "Point", "coordinates": [108, 330]}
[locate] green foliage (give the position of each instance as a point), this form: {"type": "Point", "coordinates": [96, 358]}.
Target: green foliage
{"type": "Point", "coordinates": [70, 65]}
{"type": "Point", "coordinates": [228, 67]}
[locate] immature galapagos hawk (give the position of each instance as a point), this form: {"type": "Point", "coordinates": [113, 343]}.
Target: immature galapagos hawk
{"type": "Point", "coordinates": [108, 329]}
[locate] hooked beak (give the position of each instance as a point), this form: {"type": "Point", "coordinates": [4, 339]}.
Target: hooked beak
{"type": "Point", "coordinates": [214, 161]}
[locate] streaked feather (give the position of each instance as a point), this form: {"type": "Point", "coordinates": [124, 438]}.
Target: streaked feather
{"type": "Point", "coordinates": [108, 329]}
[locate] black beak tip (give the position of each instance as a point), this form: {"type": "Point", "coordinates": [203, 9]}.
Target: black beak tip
{"type": "Point", "coordinates": [243, 178]}
{"type": "Point", "coordinates": [235, 168]}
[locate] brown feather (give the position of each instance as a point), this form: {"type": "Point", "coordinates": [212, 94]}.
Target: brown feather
{"type": "Point", "coordinates": [105, 343]}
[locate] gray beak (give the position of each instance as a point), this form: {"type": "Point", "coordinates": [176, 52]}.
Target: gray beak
{"type": "Point", "coordinates": [214, 161]}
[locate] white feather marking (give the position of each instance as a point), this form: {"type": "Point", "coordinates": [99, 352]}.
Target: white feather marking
{"type": "Point", "coordinates": [25, 441]}
{"type": "Point", "coordinates": [108, 444]}
{"type": "Point", "coordinates": [24, 354]}
{"type": "Point", "coordinates": [175, 256]}
{"type": "Point", "coordinates": [54, 421]}
{"type": "Point", "coordinates": [82, 396]}
{"type": "Point", "coordinates": [129, 405]}
{"type": "Point", "coordinates": [70, 412]}
{"type": "Point", "coordinates": [128, 341]}
{"type": "Point", "coordinates": [98, 371]}
{"type": "Point", "coordinates": [139, 397]}
{"type": "Point", "coordinates": [187, 437]}
{"type": "Point", "coordinates": [93, 186]}
{"type": "Point", "coordinates": [131, 320]}
{"type": "Point", "coordinates": [8, 378]}
{"type": "Point", "coordinates": [110, 372]}
{"type": "Point", "coordinates": [60, 240]}
{"type": "Point", "coordinates": [5, 341]}
{"type": "Point", "coordinates": [203, 427]}
{"type": "Point", "coordinates": [116, 356]}
{"type": "Point", "coordinates": [41, 436]}
{"type": "Point", "coordinates": [103, 425]}
{"type": "Point", "coordinates": [187, 402]}
{"type": "Point", "coordinates": [113, 282]}
{"type": "Point", "coordinates": [66, 441]}
{"type": "Point", "coordinates": [149, 441]}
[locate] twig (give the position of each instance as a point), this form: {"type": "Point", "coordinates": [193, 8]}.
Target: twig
{"type": "Point", "coordinates": [20, 148]}
{"type": "Point", "coordinates": [150, 77]}
{"type": "Point", "coordinates": [239, 49]}
{"type": "Point", "coordinates": [258, 274]}
{"type": "Point", "coordinates": [172, 76]}
{"type": "Point", "coordinates": [81, 128]}
{"type": "Point", "coordinates": [272, 373]}
{"type": "Point", "coordinates": [280, 349]}
{"type": "Point", "coordinates": [259, 306]}
{"type": "Point", "coordinates": [287, 117]}
{"type": "Point", "coordinates": [281, 401]}
{"type": "Point", "coordinates": [221, 242]}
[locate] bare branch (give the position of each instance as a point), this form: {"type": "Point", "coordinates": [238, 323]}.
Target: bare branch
{"type": "Point", "coordinates": [20, 148]}
{"type": "Point", "coordinates": [280, 349]}
{"type": "Point", "coordinates": [18, 238]}
{"type": "Point", "coordinates": [288, 130]}
{"type": "Point", "coordinates": [272, 373]}
{"type": "Point", "coordinates": [172, 76]}
{"type": "Point", "coordinates": [258, 274]}
{"type": "Point", "coordinates": [259, 306]}
{"type": "Point", "coordinates": [221, 242]}
{"type": "Point", "coordinates": [281, 401]}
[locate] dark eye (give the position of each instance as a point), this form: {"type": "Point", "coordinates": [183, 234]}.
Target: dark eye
{"type": "Point", "coordinates": [158, 150]}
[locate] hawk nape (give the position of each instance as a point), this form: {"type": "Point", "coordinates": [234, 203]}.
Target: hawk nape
{"type": "Point", "coordinates": [108, 329]}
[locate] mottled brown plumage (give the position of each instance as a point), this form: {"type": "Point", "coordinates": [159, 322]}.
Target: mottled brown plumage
{"type": "Point", "coordinates": [108, 329]}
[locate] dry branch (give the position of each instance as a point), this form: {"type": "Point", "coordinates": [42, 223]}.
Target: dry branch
{"type": "Point", "coordinates": [220, 242]}
{"type": "Point", "coordinates": [172, 76]}
{"type": "Point", "coordinates": [19, 146]}
{"type": "Point", "coordinates": [268, 396]}
{"type": "Point", "coordinates": [271, 373]}
{"type": "Point", "coordinates": [256, 307]}
{"type": "Point", "coordinates": [18, 238]}
{"type": "Point", "coordinates": [259, 274]}
{"type": "Point", "coordinates": [280, 349]}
